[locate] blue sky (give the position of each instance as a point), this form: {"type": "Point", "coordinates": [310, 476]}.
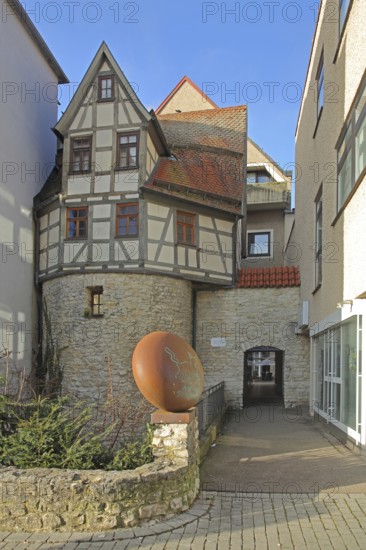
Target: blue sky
{"type": "Point", "coordinates": [253, 53]}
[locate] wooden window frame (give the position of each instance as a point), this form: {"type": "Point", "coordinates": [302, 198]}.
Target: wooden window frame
{"type": "Point", "coordinates": [249, 243]}
{"type": "Point", "coordinates": [96, 310]}
{"type": "Point", "coordinates": [127, 146]}
{"type": "Point", "coordinates": [77, 219]}
{"type": "Point", "coordinates": [185, 225]}
{"type": "Point", "coordinates": [127, 216]}
{"type": "Point", "coordinates": [82, 151]}
{"type": "Point", "coordinates": [102, 78]}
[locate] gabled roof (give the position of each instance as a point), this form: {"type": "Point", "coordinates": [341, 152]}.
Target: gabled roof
{"type": "Point", "coordinates": [268, 277]}
{"type": "Point", "coordinates": [223, 128]}
{"type": "Point", "coordinates": [102, 54]}
{"type": "Point", "coordinates": [184, 80]}
{"type": "Point", "coordinates": [24, 18]}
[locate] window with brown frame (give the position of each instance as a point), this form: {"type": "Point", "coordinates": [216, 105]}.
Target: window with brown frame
{"type": "Point", "coordinates": [127, 219]}
{"type": "Point", "coordinates": [96, 301]}
{"type": "Point", "coordinates": [106, 88]}
{"type": "Point", "coordinates": [81, 154]}
{"type": "Point", "coordinates": [127, 150]}
{"type": "Point", "coordinates": [185, 228]}
{"type": "Point", "coordinates": [77, 223]}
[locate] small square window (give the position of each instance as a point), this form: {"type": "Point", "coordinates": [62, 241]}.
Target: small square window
{"type": "Point", "coordinates": [81, 154]}
{"type": "Point", "coordinates": [127, 150]}
{"type": "Point", "coordinates": [185, 228]}
{"type": "Point", "coordinates": [106, 88]}
{"type": "Point", "coordinates": [127, 219]}
{"type": "Point", "coordinates": [77, 223]}
{"type": "Point", "coordinates": [259, 244]}
{"type": "Point", "coordinates": [95, 301]}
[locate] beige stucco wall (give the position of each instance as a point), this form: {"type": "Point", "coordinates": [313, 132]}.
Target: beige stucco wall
{"type": "Point", "coordinates": [247, 318]}
{"type": "Point", "coordinates": [316, 158]}
{"type": "Point", "coordinates": [27, 148]}
{"type": "Point", "coordinates": [186, 98]}
{"type": "Point", "coordinates": [268, 220]}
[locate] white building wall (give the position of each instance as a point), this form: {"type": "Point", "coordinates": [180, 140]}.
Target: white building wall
{"type": "Point", "coordinates": [28, 109]}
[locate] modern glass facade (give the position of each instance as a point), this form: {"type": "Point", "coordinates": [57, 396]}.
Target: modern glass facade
{"type": "Point", "coordinates": [338, 375]}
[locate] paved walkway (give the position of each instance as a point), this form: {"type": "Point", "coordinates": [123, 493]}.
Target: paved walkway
{"type": "Point", "coordinates": [281, 482]}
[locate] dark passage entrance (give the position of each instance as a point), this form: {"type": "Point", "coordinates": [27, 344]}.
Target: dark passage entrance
{"type": "Point", "coordinates": [263, 375]}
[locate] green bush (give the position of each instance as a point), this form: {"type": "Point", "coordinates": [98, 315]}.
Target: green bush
{"type": "Point", "coordinates": [134, 453]}
{"type": "Point", "coordinates": [47, 433]}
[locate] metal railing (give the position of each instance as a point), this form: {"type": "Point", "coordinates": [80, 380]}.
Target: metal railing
{"type": "Point", "coordinates": [210, 406]}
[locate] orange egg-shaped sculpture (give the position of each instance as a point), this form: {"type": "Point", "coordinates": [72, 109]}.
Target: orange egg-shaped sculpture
{"type": "Point", "coordinates": [168, 371]}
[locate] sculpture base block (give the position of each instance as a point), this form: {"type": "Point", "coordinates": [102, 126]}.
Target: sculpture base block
{"type": "Point", "coordinates": [166, 417]}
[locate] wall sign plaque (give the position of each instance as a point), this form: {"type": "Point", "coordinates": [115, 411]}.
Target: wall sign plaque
{"type": "Point", "coordinates": [168, 371]}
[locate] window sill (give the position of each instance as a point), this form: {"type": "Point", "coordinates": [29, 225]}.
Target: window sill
{"type": "Point", "coordinates": [189, 245]}
{"type": "Point", "coordinates": [256, 256]}
{"type": "Point", "coordinates": [316, 289]}
{"type": "Point", "coordinates": [317, 122]}
{"type": "Point", "coordinates": [108, 100]}
{"type": "Point", "coordinates": [81, 173]}
{"type": "Point", "coordinates": [125, 168]}
{"type": "Point", "coordinates": [76, 239]}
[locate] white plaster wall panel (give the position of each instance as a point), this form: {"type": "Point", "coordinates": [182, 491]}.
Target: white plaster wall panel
{"type": "Point", "coordinates": [126, 251]}
{"type": "Point", "coordinates": [43, 239]}
{"type": "Point", "coordinates": [226, 244]}
{"type": "Point", "coordinates": [54, 216]}
{"type": "Point", "coordinates": [88, 121]}
{"type": "Point", "coordinates": [43, 222]}
{"type": "Point", "coordinates": [101, 230]}
{"type": "Point", "coordinates": [170, 232]}
{"type": "Point", "coordinates": [43, 260]}
{"type": "Point", "coordinates": [192, 257]}
{"type": "Point", "coordinates": [212, 262]}
{"type": "Point", "coordinates": [78, 185]}
{"type": "Point", "coordinates": [53, 256]}
{"type": "Point", "coordinates": [102, 211]}
{"type": "Point", "coordinates": [205, 221]}
{"type": "Point", "coordinates": [157, 210]}
{"type": "Point", "coordinates": [71, 249]}
{"type": "Point", "coordinates": [104, 114]}
{"type": "Point", "coordinates": [102, 183]}
{"type": "Point", "coordinates": [155, 229]}
{"type": "Point", "coordinates": [181, 255]}
{"type": "Point", "coordinates": [100, 252]}
{"type": "Point", "coordinates": [151, 156]}
{"type": "Point", "coordinates": [103, 161]}
{"type": "Point", "coordinates": [126, 181]}
{"type": "Point", "coordinates": [208, 240]}
{"type": "Point", "coordinates": [151, 251]}
{"type": "Point", "coordinates": [105, 67]}
{"type": "Point", "coordinates": [54, 234]}
{"type": "Point", "coordinates": [104, 138]}
{"type": "Point", "coordinates": [225, 226]}
{"type": "Point", "coordinates": [75, 123]}
{"type": "Point", "coordinates": [166, 255]}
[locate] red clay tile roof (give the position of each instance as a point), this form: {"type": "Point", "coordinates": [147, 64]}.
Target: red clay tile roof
{"type": "Point", "coordinates": [179, 85]}
{"type": "Point", "coordinates": [223, 128]}
{"type": "Point", "coordinates": [271, 277]}
{"type": "Point", "coordinates": [208, 175]}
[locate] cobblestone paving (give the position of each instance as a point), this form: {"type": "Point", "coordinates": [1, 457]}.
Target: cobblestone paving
{"type": "Point", "coordinates": [223, 521]}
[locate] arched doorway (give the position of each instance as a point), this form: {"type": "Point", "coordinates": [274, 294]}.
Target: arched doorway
{"type": "Point", "coordinates": [263, 375]}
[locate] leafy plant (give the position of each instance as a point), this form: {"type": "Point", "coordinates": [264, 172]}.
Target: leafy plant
{"type": "Point", "coordinates": [53, 436]}
{"type": "Point", "coordinates": [134, 453]}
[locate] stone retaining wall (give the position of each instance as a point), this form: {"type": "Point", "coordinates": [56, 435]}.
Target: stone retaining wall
{"type": "Point", "coordinates": [66, 500]}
